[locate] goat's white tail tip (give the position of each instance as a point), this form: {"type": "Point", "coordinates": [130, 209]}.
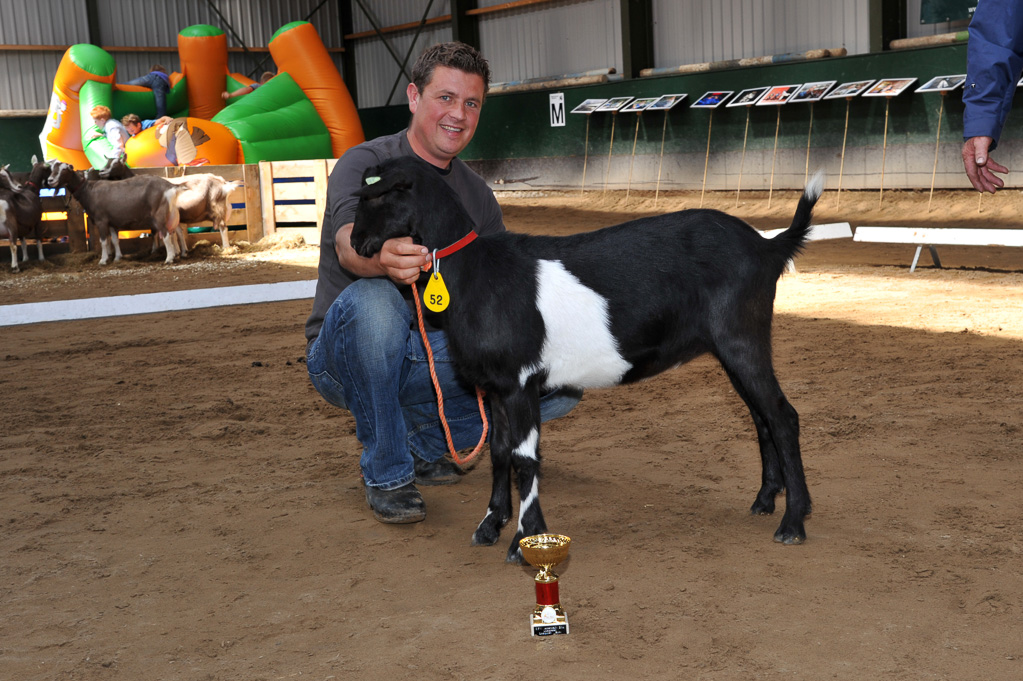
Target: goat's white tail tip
{"type": "Point", "coordinates": [815, 187]}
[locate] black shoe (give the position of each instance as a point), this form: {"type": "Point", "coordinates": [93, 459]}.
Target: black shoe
{"type": "Point", "coordinates": [439, 472]}
{"type": "Point", "coordinates": [396, 506]}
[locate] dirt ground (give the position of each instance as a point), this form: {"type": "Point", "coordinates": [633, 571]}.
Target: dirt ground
{"type": "Point", "coordinates": [178, 503]}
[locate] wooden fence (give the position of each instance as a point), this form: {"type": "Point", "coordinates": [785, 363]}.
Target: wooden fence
{"type": "Point", "coordinates": [275, 196]}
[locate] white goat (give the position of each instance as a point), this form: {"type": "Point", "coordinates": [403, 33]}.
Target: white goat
{"type": "Point", "coordinates": [205, 197]}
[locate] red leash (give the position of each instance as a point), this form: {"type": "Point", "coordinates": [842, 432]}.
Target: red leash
{"type": "Point", "coordinates": [440, 396]}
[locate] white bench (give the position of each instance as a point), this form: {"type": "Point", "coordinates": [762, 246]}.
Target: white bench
{"type": "Point", "coordinates": [938, 237]}
{"type": "Point", "coordinates": [833, 230]}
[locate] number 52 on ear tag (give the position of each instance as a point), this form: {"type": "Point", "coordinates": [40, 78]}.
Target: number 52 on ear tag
{"type": "Point", "coordinates": [436, 294]}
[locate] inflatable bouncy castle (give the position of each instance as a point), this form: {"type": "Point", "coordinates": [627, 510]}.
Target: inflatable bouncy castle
{"type": "Point", "coordinates": [303, 112]}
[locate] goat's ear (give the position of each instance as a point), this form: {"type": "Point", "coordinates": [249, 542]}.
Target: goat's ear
{"type": "Point", "coordinates": [375, 184]}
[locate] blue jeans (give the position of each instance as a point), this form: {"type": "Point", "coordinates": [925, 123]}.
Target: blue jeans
{"type": "Point", "coordinates": [159, 87]}
{"type": "Point", "coordinates": [370, 360]}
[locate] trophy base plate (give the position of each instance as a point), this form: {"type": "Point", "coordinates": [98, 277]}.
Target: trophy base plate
{"type": "Point", "coordinates": [539, 627]}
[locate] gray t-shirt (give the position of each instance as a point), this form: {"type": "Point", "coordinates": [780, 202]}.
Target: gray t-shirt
{"type": "Point", "coordinates": [477, 198]}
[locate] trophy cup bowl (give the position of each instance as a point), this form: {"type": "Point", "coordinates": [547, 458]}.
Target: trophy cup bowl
{"type": "Point", "coordinates": [544, 551]}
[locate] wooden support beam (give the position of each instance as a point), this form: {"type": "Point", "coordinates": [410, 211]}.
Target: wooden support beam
{"type": "Point", "coordinates": [464, 25]}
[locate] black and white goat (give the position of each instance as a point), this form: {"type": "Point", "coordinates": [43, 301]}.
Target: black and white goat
{"type": "Point", "coordinates": [142, 202]}
{"type": "Point", "coordinates": [598, 309]}
{"type": "Point", "coordinates": [24, 210]}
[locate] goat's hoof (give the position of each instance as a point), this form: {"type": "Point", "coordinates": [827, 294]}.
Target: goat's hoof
{"type": "Point", "coordinates": [790, 537]}
{"type": "Point", "coordinates": [515, 555]}
{"type": "Point", "coordinates": [483, 537]}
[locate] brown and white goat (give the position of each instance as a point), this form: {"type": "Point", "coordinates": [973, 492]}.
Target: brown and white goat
{"type": "Point", "coordinates": [206, 197]}
{"type": "Point", "coordinates": [142, 202]}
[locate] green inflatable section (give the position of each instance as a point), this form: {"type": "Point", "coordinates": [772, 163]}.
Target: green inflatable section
{"type": "Point", "coordinates": [92, 59]}
{"type": "Point", "coordinates": [94, 142]}
{"type": "Point", "coordinates": [277, 121]}
{"type": "Point", "coordinates": [200, 31]}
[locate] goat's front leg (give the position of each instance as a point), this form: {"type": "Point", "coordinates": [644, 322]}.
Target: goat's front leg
{"type": "Point", "coordinates": [117, 244]}
{"type": "Point", "coordinates": [14, 255]}
{"type": "Point", "coordinates": [182, 246]}
{"type": "Point", "coordinates": [499, 509]}
{"type": "Point", "coordinates": [521, 447]}
{"type": "Point", "coordinates": [104, 257]}
{"type": "Point", "coordinates": [168, 243]}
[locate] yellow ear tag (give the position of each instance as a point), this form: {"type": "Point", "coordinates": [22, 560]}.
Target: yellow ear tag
{"type": "Point", "coordinates": [436, 293]}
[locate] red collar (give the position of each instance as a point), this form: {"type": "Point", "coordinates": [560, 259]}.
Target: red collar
{"type": "Point", "coordinates": [458, 245]}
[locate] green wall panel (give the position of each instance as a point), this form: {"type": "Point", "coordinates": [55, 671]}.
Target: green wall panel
{"type": "Point", "coordinates": [517, 125]}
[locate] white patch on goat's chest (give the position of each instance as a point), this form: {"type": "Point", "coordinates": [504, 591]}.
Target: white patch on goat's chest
{"type": "Point", "coordinates": [579, 349]}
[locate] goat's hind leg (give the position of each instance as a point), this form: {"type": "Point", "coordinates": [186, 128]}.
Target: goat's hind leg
{"type": "Point", "coordinates": [777, 423]}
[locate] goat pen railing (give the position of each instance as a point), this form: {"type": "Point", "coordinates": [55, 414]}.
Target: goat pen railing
{"type": "Point", "coordinates": [275, 197]}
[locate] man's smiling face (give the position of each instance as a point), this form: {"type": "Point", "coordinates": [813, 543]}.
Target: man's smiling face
{"type": "Point", "coordinates": [444, 114]}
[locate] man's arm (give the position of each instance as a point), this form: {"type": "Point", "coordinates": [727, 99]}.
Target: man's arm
{"type": "Point", "coordinates": [399, 259]}
{"type": "Point", "coordinates": [994, 61]}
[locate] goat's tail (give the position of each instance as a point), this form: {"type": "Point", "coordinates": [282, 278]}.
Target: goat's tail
{"type": "Point", "coordinates": [790, 243]}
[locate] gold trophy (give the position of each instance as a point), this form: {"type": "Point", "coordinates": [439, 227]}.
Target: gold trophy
{"type": "Point", "coordinates": [544, 551]}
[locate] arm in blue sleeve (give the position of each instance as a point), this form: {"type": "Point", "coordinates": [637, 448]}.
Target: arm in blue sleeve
{"type": "Point", "coordinates": [994, 63]}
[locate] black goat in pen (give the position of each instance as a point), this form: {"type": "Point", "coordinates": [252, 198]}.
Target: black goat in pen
{"type": "Point", "coordinates": [598, 309]}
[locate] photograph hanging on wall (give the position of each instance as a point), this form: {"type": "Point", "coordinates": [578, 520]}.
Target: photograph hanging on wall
{"type": "Point", "coordinates": [778, 94]}
{"type": "Point", "coordinates": [812, 92]}
{"type": "Point", "coordinates": [748, 97]}
{"type": "Point", "coordinates": [639, 104]}
{"type": "Point", "coordinates": [942, 83]}
{"type": "Point", "coordinates": [712, 99]}
{"type": "Point", "coordinates": [588, 106]}
{"type": "Point", "coordinates": [665, 102]}
{"type": "Point", "coordinates": [889, 87]}
{"type": "Point", "coordinates": [614, 104]}
{"type": "Point", "coordinates": [849, 89]}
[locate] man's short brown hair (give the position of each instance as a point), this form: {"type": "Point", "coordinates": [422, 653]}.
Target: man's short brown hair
{"type": "Point", "coordinates": [455, 55]}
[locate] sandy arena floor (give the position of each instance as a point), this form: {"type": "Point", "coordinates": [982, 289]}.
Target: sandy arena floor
{"type": "Point", "coordinates": [178, 503]}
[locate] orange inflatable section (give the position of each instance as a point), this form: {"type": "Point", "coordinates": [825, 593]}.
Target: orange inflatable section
{"type": "Point", "coordinates": [204, 64]}
{"type": "Point", "coordinates": [212, 141]}
{"type": "Point", "coordinates": [300, 52]}
{"type": "Point", "coordinates": [62, 135]}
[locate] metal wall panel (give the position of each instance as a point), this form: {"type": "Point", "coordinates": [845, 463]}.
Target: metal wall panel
{"type": "Point", "coordinates": [696, 31]}
{"type": "Point", "coordinates": [43, 22]}
{"type": "Point", "coordinates": [395, 12]}
{"type": "Point", "coordinates": [376, 69]}
{"type": "Point", "coordinates": [26, 77]}
{"type": "Point", "coordinates": [551, 39]}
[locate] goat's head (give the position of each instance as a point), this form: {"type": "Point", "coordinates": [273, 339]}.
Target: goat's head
{"type": "Point", "coordinates": [39, 174]}
{"type": "Point", "coordinates": [6, 181]}
{"type": "Point", "coordinates": [115, 169]}
{"type": "Point", "coordinates": [61, 175]}
{"type": "Point", "coordinates": [386, 209]}
{"type": "Point", "coordinates": [406, 197]}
